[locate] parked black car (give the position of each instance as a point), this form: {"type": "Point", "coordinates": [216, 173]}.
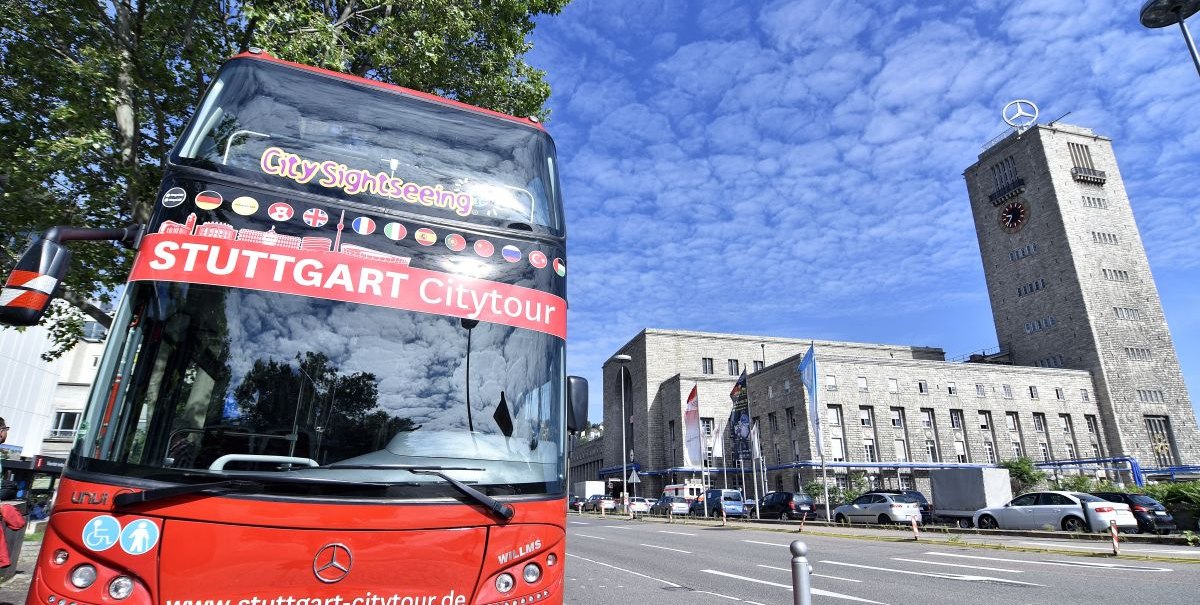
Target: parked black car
{"type": "Point", "coordinates": [926, 509]}
{"type": "Point", "coordinates": [785, 505]}
{"type": "Point", "coordinates": [1151, 515]}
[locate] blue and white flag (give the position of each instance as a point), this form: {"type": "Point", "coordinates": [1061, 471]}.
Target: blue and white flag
{"type": "Point", "coordinates": [808, 376]}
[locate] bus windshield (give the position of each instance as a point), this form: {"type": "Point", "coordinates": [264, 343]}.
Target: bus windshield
{"type": "Point", "coordinates": [212, 380]}
{"type": "Point", "coordinates": [286, 127]}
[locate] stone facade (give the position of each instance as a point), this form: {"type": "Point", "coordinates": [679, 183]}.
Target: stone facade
{"type": "Point", "coordinates": [1071, 286]}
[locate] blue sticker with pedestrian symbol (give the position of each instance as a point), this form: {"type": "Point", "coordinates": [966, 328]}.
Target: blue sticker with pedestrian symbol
{"type": "Point", "coordinates": [139, 536]}
{"type": "Point", "coordinates": [101, 533]}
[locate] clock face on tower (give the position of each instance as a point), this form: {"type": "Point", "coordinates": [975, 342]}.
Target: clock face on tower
{"type": "Point", "coordinates": [1012, 216]}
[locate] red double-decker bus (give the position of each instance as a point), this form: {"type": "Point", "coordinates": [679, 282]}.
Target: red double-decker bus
{"type": "Point", "coordinates": [336, 375]}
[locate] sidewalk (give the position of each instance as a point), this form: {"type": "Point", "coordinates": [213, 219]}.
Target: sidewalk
{"type": "Point", "coordinates": [14, 590]}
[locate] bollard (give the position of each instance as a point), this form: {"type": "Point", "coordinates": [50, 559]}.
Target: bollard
{"type": "Point", "coordinates": [801, 581]}
{"type": "Point", "coordinates": [1112, 528]}
{"type": "Point", "coordinates": [802, 520]}
{"type": "Point", "coordinates": [916, 533]}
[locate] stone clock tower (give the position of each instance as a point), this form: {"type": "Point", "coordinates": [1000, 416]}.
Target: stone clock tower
{"type": "Point", "coordinates": [1071, 287]}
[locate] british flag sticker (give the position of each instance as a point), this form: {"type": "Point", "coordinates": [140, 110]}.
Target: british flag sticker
{"type": "Point", "coordinates": [281, 211]}
{"type": "Point", "coordinates": [315, 217]}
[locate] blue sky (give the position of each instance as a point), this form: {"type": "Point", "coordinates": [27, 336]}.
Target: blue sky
{"type": "Point", "coordinates": [794, 168]}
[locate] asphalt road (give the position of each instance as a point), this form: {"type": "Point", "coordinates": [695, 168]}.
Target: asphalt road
{"type": "Point", "coordinates": [652, 562]}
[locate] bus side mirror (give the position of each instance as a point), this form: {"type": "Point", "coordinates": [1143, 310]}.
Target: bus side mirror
{"type": "Point", "coordinates": [30, 286]}
{"type": "Point", "coordinates": [577, 403]}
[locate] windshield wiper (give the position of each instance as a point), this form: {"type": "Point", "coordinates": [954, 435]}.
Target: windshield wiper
{"type": "Point", "coordinates": [503, 511]}
{"type": "Point", "coordinates": [243, 484]}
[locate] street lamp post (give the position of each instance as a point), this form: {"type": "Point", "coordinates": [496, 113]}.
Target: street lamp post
{"type": "Point", "coordinates": [1163, 13]}
{"type": "Point", "coordinates": [622, 360]}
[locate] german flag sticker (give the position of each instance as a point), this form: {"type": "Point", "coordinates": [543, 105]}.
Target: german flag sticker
{"type": "Point", "coordinates": [208, 200]}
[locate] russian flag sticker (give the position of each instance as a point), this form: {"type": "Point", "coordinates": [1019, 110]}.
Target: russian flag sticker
{"type": "Point", "coordinates": [363, 226]}
{"type": "Point", "coordinates": [511, 253]}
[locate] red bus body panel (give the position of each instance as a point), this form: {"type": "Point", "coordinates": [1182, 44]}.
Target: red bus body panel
{"type": "Point", "coordinates": [222, 550]}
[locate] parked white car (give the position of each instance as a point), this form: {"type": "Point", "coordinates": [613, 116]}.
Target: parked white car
{"type": "Point", "coordinates": [1068, 511]}
{"type": "Point", "coordinates": [881, 508]}
{"type": "Point", "coordinates": [639, 505]}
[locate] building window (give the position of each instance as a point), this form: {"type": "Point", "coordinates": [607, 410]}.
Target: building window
{"type": "Point", "coordinates": [790, 414]}
{"type": "Point", "coordinates": [1159, 428]}
{"type": "Point", "coordinates": [1083, 395]}
{"type": "Point", "coordinates": [1037, 325]}
{"type": "Point", "coordinates": [706, 365]}
{"type": "Point", "coordinates": [985, 421]}
{"type": "Point", "coordinates": [1039, 422]}
{"type": "Point", "coordinates": [830, 382]}
{"type": "Point", "coordinates": [1059, 394]}
{"type": "Point", "coordinates": [1149, 396]}
{"type": "Point", "coordinates": [951, 389]}
{"type": "Point", "coordinates": [1071, 455]}
{"type": "Point", "coordinates": [931, 450]}
{"type": "Point", "coordinates": [922, 387]}
{"type": "Point", "coordinates": [1127, 313]}
{"type": "Point", "coordinates": [835, 415]}
{"type": "Point", "coordinates": [734, 368]}
{"type": "Point", "coordinates": [1007, 390]}
{"type": "Point", "coordinates": [901, 450]}
{"type": "Point", "coordinates": [772, 422]}
{"type": "Point", "coordinates": [893, 385]}
{"type": "Point", "coordinates": [1095, 202]}
{"type": "Point", "coordinates": [1016, 449]}
{"type": "Point", "coordinates": [787, 385]}
{"type": "Point", "coordinates": [956, 419]}
{"type": "Point", "coordinates": [837, 449]}
{"type": "Point", "coordinates": [1115, 274]}
{"type": "Point", "coordinates": [1092, 426]}
{"type": "Point", "coordinates": [1011, 421]}
{"type": "Point", "coordinates": [1101, 237]}
{"type": "Point", "coordinates": [866, 416]}
{"type": "Point", "coordinates": [862, 383]}
{"type": "Point", "coordinates": [980, 390]}
{"type": "Point", "coordinates": [1065, 421]}
{"type": "Point", "coordinates": [1022, 252]}
{"type": "Point", "coordinates": [1031, 287]}
{"type": "Point", "coordinates": [960, 451]}
{"type": "Point", "coordinates": [770, 391]}
{"type": "Point", "coordinates": [989, 450]}
{"type": "Point", "coordinates": [1096, 451]}
{"type": "Point", "coordinates": [1045, 452]}
{"type": "Point", "coordinates": [898, 418]}
{"type": "Point", "coordinates": [869, 450]}
{"type": "Point", "coordinates": [66, 424]}
{"type": "Point", "coordinates": [927, 418]}
{"type": "Point", "coordinates": [758, 365]}
{"type": "Point", "coordinates": [1053, 361]}
{"type": "Point", "coordinates": [1004, 172]}
{"type": "Point", "coordinates": [1138, 354]}
{"type": "Point", "coordinates": [706, 426]}
{"type": "Point", "coordinates": [1033, 394]}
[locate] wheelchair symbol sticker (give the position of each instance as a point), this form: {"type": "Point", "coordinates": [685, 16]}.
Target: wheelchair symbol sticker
{"type": "Point", "coordinates": [139, 536]}
{"type": "Point", "coordinates": [101, 533]}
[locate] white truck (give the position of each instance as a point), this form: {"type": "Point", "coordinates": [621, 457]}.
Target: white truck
{"type": "Point", "coordinates": [587, 489]}
{"type": "Point", "coordinates": [959, 492]}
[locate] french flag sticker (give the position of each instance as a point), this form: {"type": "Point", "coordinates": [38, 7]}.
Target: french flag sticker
{"type": "Point", "coordinates": [363, 226]}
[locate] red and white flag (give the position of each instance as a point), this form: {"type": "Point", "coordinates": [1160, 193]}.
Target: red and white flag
{"type": "Point", "coordinates": [693, 451]}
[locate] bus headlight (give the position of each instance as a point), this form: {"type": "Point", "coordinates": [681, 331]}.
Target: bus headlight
{"type": "Point", "coordinates": [83, 576]}
{"type": "Point", "coordinates": [504, 583]}
{"type": "Point", "coordinates": [532, 573]}
{"type": "Point", "coordinates": [121, 587]}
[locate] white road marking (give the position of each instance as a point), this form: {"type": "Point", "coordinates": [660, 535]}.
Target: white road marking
{"type": "Point", "coordinates": [816, 575]}
{"type": "Point", "coordinates": [580, 523]}
{"type": "Point", "coordinates": [587, 536]}
{"type": "Point", "coordinates": [617, 526]}
{"type": "Point", "coordinates": [958, 565]}
{"type": "Point", "coordinates": [816, 591]}
{"type": "Point", "coordinates": [678, 533]}
{"type": "Point", "coordinates": [766, 543]}
{"type": "Point", "coordinates": [717, 594]}
{"type": "Point", "coordinates": [1060, 563]}
{"type": "Point", "coordinates": [641, 575]}
{"type": "Point", "coordinates": [947, 576]}
{"type": "Point", "coordinates": [665, 548]}
{"type": "Point", "coordinates": [1124, 548]}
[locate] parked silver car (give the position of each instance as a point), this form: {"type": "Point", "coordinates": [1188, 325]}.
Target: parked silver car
{"type": "Point", "coordinates": [879, 508]}
{"type": "Point", "coordinates": [1069, 511]}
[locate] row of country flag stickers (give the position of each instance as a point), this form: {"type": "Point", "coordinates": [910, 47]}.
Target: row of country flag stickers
{"type": "Point", "coordinates": [316, 217]}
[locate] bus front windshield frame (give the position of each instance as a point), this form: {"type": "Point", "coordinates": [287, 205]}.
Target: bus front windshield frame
{"type": "Point", "coordinates": [290, 127]}
{"type": "Point", "coordinates": [201, 382]}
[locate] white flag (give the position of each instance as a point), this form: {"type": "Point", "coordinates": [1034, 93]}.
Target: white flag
{"type": "Point", "coordinates": [755, 446]}
{"type": "Point", "coordinates": [693, 454]}
{"type": "Point", "coordinates": [718, 442]}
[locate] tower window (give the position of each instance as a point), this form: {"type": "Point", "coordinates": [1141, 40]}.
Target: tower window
{"type": "Point", "coordinates": [1100, 237]}
{"type": "Point", "coordinates": [1115, 274]}
{"type": "Point", "coordinates": [1127, 313]}
{"type": "Point", "coordinates": [1022, 252]}
{"type": "Point", "coordinates": [706, 365]}
{"type": "Point", "coordinates": [1031, 287]}
{"type": "Point", "coordinates": [1095, 202]}
{"type": "Point", "coordinates": [1138, 354]}
{"type": "Point", "coordinates": [1149, 396]}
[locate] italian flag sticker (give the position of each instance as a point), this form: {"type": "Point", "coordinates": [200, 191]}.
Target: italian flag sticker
{"type": "Point", "coordinates": [395, 231]}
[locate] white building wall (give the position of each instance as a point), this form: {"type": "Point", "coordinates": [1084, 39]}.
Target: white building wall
{"type": "Point", "coordinates": [27, 385]}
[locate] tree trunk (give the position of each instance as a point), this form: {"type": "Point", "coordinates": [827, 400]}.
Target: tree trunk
{"type": "Point", "coordinates": [125, 112]}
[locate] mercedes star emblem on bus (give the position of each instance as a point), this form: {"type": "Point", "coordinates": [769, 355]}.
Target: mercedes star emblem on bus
{"type": "Point", "coordinates": [1020, 113]}
{"type": "Point", "coordinates": [332, 563]}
